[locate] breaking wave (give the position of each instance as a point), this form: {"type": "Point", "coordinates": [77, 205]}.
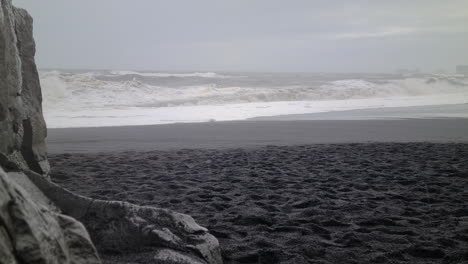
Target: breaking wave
{"type": "Point", "coordinates": [62, 91]}
{"type": "Point", "coordinates": [165, 75]}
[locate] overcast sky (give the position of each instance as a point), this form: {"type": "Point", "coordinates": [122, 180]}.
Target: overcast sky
{"type": "Point", "coordinates": [250, 35]}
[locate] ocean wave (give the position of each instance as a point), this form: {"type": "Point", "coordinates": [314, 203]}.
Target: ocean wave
{"type": "Point", "coordinates": [166, 75]}
{"type": "Point", "coordinates": [72, 91]}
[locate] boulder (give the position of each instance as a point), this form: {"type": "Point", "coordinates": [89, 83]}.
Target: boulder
{"type": "Point", "coordinates": [33, 233]}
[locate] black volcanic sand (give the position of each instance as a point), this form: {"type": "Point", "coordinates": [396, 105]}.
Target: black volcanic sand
{"type": "Point", "coordinates": [339, 203]}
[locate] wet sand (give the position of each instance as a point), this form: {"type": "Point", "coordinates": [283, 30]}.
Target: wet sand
{"type": "Point", "coordinates": [248, 134]}
{"type": "Point", "coordinates": [412, 112]}
{"type": "Point", "coordinates": [322, 203]}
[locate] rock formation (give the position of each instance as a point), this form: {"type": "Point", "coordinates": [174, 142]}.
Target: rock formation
{"type": "Point", "coordinates": [37, 217]}
{"type": "Point", "coordinates": [22, 125]}
{"type": "Point", "coordinates": [34, 233]}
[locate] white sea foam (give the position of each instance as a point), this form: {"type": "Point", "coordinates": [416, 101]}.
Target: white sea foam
{"type": "Point", "coordinates": [97, 99]}
{"type": "Point", "coordinates": [163, 74]}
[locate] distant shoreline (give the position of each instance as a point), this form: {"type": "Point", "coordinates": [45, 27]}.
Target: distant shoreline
{"type": "Point", "coordinates": [456, 111]}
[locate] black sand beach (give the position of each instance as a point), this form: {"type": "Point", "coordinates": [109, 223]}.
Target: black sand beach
{"type": "Point", "coordinates": [380, 202]}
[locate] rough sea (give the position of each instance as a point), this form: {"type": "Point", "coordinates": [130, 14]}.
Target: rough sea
{"type": "Point", "coordinates": [117, 98]}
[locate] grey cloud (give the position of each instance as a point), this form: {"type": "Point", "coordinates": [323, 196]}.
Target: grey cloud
{"type": "Point", "coordinates": [259, 35]}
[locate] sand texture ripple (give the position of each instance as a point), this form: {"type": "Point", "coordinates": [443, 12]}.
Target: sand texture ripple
{"type": "Point", "coordinates": [338, 203]}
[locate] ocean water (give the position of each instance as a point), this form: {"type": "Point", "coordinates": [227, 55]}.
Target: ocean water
{"type": "Point", "coordinates": [116, 98]}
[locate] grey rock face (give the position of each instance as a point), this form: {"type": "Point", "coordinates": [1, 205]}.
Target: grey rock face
{"type": "Point", "coordinates": [11, 114]}
{"type": "Point", "coordinates": [22, 126]}
{"type": "Point", "coordinates": [34, 127]}
{"type": "Point", "coordinates": [33, 233]}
